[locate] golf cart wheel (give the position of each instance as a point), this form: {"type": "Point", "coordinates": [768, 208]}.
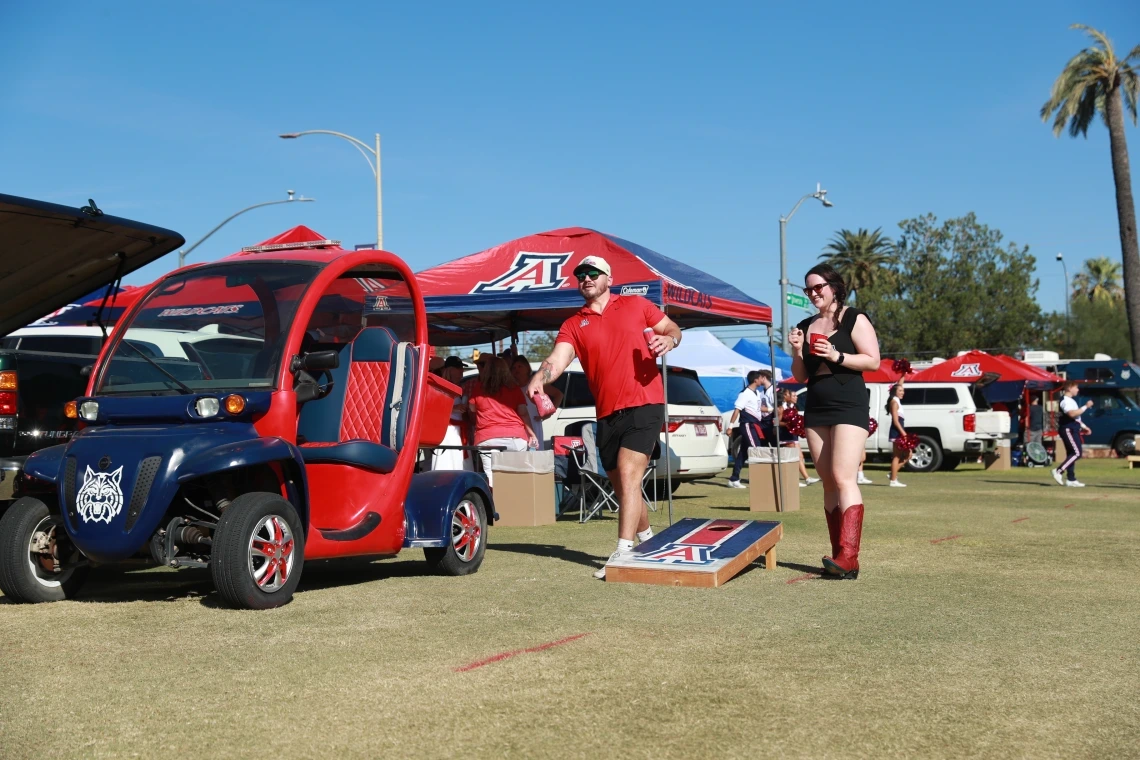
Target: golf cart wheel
{"type": "Point", "coordinates": [258, 551]}
{"type": "Point", "coordinates": [37, 560]}
{"type": "Point", "coordinates": [926, 457]}
{"type": "Point", "coordinates": [467, 540]}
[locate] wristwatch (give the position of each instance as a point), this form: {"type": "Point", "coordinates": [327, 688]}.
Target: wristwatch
{"type": "Point", "coordinates": [840, 359]}
{"type": "Point", "coordinates": [675, 342]}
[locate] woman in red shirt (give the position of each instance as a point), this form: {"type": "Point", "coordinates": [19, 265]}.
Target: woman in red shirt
{"type": "Point", "coordinates": [501, 418]}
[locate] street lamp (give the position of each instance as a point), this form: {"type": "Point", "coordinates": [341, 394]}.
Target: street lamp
{"type": "Point", "coordinates": [821, 196]}
{"type": "Point", "coordinates": [375, 167]}
{"type": "Point", "coordinates": [186, 252]}
{"type": "Point", "coordinates": [1068, 324]}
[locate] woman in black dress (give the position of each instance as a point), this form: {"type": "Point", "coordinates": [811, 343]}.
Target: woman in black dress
{"type": "Point", "coordinates": [830, 352]}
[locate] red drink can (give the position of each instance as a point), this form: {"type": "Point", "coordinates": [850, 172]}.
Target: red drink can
{"type": "Point", "coordinates": [544, 405]}
{"type": "Point", "coordinates": [648, 333]}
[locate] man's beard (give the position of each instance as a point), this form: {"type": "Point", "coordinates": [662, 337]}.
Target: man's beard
{"type": "Point", "coordinates": [598, 293]}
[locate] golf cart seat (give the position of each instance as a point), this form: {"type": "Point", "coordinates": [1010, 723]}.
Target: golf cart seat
{"type": "Point", "coordinates": [363, 420]}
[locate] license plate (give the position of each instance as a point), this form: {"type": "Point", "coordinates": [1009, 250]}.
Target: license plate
{"type": "Point", "coordinates": [701, 429]}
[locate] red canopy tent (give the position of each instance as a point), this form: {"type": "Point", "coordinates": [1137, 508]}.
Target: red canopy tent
{"type": "Point", "coordinates": [528, 284]}
{"type": "Point", "coordinates": [974, 365]}
{"type": "Point", "coordinates": [884, 374]}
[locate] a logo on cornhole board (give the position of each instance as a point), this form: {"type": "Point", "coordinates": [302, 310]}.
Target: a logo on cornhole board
{"type": "Point", "coordinates": [679, 554]}
{"type": "Point", "coordinates": [529, 271]}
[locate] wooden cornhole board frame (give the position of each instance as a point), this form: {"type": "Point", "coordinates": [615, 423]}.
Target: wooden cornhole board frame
{"type": "Point", "coordinates": [699, 553]}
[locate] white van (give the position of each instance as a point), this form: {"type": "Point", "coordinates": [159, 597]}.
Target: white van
{"type": "Point", "coordinates": [946, 418]}
{"type": "Point", "coordinates": [696, 447]}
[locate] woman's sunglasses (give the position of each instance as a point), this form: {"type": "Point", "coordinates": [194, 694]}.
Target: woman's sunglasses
{"type": "Point", "coordinates": [593, 274]}
{"type": "Point", "coordinates": [816, 289]}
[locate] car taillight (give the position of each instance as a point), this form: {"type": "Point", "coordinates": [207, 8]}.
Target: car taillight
{"type": "Point", "coordinates": [673, 424]}
{"type": "Point", "coordinates": [7, 403]}
{"type": "Point", "coordinates": [719, 425]}
{"type": "Point", "coordinates": [970, 423]}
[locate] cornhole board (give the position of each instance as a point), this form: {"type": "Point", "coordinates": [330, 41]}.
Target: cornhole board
{"type": "Point", "coordinates": [701, 553]}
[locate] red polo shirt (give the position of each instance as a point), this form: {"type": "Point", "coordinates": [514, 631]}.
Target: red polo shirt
{"type": "Point", "coordinates": [620, 369]}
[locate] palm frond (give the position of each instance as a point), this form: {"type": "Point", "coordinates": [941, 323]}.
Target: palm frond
{"type": "Point", "coordinates": [1130, 88]}
{"type": "Point", "coordinates": [1098, 36]}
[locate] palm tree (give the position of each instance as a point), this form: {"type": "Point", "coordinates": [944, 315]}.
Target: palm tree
{"type": "Point", "coordinates": [1096, 81]}
{"type": "Point", "coordinates": [1100, 279]}
{"type": "Point", "coordinates": [860, 257]}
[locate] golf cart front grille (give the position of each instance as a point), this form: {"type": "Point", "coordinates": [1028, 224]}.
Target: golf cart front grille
{"type": "Point", "coordinates": [143, 481]}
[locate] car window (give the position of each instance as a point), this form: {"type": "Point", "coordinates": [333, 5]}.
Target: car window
{"type": "Point", "coordinates": [686, 390]}
{"type": "Point", "coordinates": [9, 342]}
{"type": "Point", "coordinates": [577, 392]}
{"type": "Point", "coordinates": [63, 344]}
{"type": "Point", "coordinates": [930, 396]}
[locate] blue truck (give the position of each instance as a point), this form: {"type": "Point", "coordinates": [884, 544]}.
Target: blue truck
{"type": "Point", "coordinates": [1112, 385]}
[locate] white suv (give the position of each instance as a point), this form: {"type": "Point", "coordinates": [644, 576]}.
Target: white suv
{"type": "Point", "coordinates": [696, 446]}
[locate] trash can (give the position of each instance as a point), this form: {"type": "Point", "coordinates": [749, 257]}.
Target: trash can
{"type": "Point", "coordinates": [524, 487]}
{"type": "Point", "coordinates": [764, 485]}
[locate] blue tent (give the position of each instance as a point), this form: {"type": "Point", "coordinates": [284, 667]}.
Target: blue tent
{"type": "Point", "coordinates": [758, 351]}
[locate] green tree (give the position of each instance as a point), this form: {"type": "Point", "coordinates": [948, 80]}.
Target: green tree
{"type": "Point", "coordinates": [1099, 279]}
{"type": "Point", "coordinates": [862, 258]}
{"type": "Point", "coordinates": [1096, 81]}
{"type": "Point", "coordinates": [1094, 326]}
{"type": "Point", "coordinates": [956, 288]}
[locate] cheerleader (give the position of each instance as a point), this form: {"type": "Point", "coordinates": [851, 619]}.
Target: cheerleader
{"type": "Point", "coordinates": [788, 417]}
{"type": "Point", "coordinates": [897, 435]}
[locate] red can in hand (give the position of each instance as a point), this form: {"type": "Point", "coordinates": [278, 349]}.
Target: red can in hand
{"type": "Point", "coordinates": [544, 405]}
{"type": "Point", "coordinates": [818, 340]}
{"type": "Point", "coordinates": [648, 333]}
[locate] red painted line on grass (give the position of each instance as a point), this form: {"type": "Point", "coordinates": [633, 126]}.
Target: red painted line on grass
{"type": "Point", "coordinates": [804, 577]}
{"type": "Point", "coordinates": [516, 652]}
{"type": "Point", "coordinates": [947, 538]}
{"type": "Point", "coordinates": [1069, 505]}
{"type": "Point", "coordinates": [1020, 519]}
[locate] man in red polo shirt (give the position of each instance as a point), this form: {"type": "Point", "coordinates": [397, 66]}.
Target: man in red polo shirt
{"type": "Point", "coordinates": [608, 337]}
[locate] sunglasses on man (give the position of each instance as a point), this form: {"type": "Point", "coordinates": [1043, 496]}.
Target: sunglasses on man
{"type": "Point", "coordinates": [593, 274]}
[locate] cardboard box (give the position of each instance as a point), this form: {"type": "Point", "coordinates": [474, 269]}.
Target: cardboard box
{"type": "Point", "coordinates": [764, 484]}
{"type": "Point", "coordinates": [524, 488]}
{"type": "Point", "coordinates": [999, 458]}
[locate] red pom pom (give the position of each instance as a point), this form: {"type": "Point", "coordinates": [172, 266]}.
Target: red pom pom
{"type": "Point", "coordinates": [872, 425]}
{"type": "Point", "coordinates": [901, 366]}
{"type": "Point", "coordinates": [794, 422]}
{"type": "Point", "coordinates": [908, 442]}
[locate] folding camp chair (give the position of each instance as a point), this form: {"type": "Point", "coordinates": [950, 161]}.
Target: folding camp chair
{"type": "Point", "coordinates": [595, 491]}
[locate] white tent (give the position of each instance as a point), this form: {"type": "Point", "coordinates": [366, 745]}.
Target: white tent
{"type": "Point", "coordinates": [721, 370]}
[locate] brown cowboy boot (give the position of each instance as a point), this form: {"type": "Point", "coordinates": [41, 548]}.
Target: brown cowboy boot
{"type": "Point", "coordinates": [846, 564]}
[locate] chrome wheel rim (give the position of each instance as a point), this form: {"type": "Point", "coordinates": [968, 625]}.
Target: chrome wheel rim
{"type": "Point", "coordinates": [466, 532]}
{"type": "Point", "coordinates": [271, 553]}
{"type": "Point", "coordinates": [43, 555]}
{"type": "Point", "coordinates": [922, 456]}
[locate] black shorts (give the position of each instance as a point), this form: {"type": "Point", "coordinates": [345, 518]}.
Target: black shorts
{"type": "Point", "coordinates": [637, 428]}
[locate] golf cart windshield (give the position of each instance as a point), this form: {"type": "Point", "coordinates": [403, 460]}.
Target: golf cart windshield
{"type": "Point", "coordinates": [209, 329]}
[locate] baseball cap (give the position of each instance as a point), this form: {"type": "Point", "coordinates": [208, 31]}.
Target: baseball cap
{"type": "Point", "coordinates": [593, 262]}
{"type": "Point", "coordinates": [453, 361]}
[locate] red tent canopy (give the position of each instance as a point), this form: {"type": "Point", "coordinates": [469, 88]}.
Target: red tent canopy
{"type": "Point", "coordinates": [884, 374]}
{"type": "Point", "coordinates": [528, 284]}
{"type": "Point", "coordinates": [973, 365]}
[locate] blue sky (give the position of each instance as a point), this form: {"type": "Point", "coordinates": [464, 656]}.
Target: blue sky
{"type": "Point", "coordinates": [689, 128]}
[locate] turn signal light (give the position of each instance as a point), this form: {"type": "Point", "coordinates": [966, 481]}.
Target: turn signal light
{"type": "Point", "coordinates": [71, 410]}
{"type": "Point", "coordinates": [235, 404]}
{"type": "Point", "coordinates": [7, 381]}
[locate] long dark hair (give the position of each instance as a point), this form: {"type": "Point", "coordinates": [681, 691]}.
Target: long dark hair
{"type": "Point", "coordinates": [832, 278]}
{"type": "Point", "coordinates": [892, 394]}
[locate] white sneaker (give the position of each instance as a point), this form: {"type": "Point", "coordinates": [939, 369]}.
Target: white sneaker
{"type": "Point", "coordinates": [600, 573]}
{"type": "Point", "coordinates": [1074, 484]}
{"type": "Point", "coordinates": [896, 484]}
{"type": "Point", "coordinates": [863, 480]}
{"type": "Point", "coordinates": [1057, 476]}
{"type": "Point", "coordinates": [809, 481]}
{"type": "Point", "coordinates": [736, 484]}
{"type": "Point", "coordinates": [803, 484]}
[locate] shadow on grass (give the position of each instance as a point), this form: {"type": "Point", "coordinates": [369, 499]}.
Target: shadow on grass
{"type": "Point", "coordinates": [552, 551]}
{"type": "Point", "coordinates": [1050, 484]}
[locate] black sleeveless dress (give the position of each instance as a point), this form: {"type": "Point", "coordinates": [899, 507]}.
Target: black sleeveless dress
{"type": "Point", "coordinates": [839, 398]}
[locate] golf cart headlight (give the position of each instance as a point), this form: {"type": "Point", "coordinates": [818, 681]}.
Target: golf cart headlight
{"type": "Point", "coordinates": [208, 407]}
{"type": "Point", "coordinates": [89, 410]}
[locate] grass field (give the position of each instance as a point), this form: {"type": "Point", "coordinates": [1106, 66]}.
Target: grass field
{"type": "Point", "coordinates": [1016, 636]}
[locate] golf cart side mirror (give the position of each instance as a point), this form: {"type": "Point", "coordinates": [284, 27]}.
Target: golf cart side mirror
{"type": "Point", "coordinates": [315, 361]}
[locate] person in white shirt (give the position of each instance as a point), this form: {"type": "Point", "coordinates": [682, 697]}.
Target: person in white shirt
{"type": "Point", "coordinates": [899, 456]}
{"type": "Point", "coordinates": [747, 410]}
{"type": "Point", "coordinates": [1069, 428]}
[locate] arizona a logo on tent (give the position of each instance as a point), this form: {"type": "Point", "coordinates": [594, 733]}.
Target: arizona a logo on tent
{"type": "Point", "coordinates": [968, 370]}
{"type": "Point", "coordinates": [529, 271]}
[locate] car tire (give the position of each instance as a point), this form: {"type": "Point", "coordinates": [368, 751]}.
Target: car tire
{"type": "Point", "coordinates": [467, 539]}
{"type": "Point", "coordinates": [926, 457]}
{"type": "Point", "coordinates": [23, 575]}
{"type": "Point", "coordinates": [258, 552]}
{"type": "Point", "coordinates": [1125, 444]}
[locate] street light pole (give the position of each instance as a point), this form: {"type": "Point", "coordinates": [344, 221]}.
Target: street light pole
{"type": "Point", "coordinates": [1068, 319]}
{"type": "Point", "coordinates": [821, 196]}
{"type": "Point", "coordinates": [186, 252]}
{"type": "Point", "coordinates": [371, 155]}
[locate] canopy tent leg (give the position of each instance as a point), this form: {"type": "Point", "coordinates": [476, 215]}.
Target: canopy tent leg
{"type": "Point", "coordinates": [668, 464]}
{"type": "Point", "coordinates": [776, 427]}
